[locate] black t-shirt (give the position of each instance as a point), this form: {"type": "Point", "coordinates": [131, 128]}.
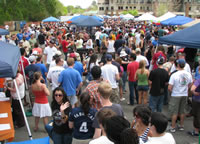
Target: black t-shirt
{"type": "Point", "coordinates": [170, 50]}
{"type": "Point", "coordinates": [58, 126]}
{"type": "Point", "coordinates": [41, 39]}
{"type": "Point", "coordinates": [159, 78]}
{"type": "Point", "coordinates": [118, 43]}
{"type": "Point", "coordinates": [125, 65]}
{"type": "Point", "coordinates": [190, 54]}
{"type": "Point", "coordinates": [30, 70]}
{"type": "Point", "coordinates": [117, 65]}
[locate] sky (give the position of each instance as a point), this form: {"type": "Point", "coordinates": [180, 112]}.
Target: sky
{"type": "Point", "coordinates": [82, 3]}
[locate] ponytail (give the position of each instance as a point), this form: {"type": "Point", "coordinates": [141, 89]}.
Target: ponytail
{"type": "Point", "coordinates": [85, 102]}
{"type": "Point", "coordinates": [36, 76]}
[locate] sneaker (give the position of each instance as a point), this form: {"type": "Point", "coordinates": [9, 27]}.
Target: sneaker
{"type": "Point", "coordinates": [122, 99]}
{"type": "Point", "coordinates": [193, 133]}
{"type": "Point", "coordinates": [181, 128]}
{"type": "Point", "coordinates": [172, 130]}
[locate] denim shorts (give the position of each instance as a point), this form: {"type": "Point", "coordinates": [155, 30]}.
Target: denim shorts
{"type": "Point", "coordinates": [143, 88]}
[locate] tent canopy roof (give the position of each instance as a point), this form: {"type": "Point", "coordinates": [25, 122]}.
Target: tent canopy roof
{"type": "Point", "coordinates": [51, 19]}
{"type": "Point", "coordinates": [177, 20]}
{"type": "Point", "coordinates": [147, 17]}
{"type": "Point", "coordinates": [87, 21]}
{"type": "Point", "coordinates": [4, 32]}
{"type": "Point", "coordinates": [166, 16]}
{"type": "Point", "coordinates": [9, 59]}
{"type": "Point", "coordinates": [191, 23]}
{"type": "Point", "coordinates": [188, 37]}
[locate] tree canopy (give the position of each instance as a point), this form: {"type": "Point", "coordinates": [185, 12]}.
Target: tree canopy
{"type": "Point", "coordinates": [30, 10]}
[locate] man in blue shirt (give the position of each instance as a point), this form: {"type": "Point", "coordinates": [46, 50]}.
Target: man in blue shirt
{"type": "Point", "coordinates": [77, 65]}
{"type": "Point", "coordinates": [71, 81]}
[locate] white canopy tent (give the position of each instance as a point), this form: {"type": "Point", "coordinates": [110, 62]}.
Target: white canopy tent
{"type": "Point", "coordinates": [166, 16]}
{"type": "Point", "coordinates": [147, 17]}
{"type": "Point", "coordinates": [128, 16]}
{"type": "Point", "coordinates": [65, 18]}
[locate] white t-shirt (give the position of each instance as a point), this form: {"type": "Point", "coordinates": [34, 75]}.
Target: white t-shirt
{"type": "Point", "coordinates": [180, 81]}
{"type": "Point", "coordinates": [89, 44]}
{"type": "Point", "coordinates": [141, 57]}
{"type": "Point", "coordinates": [137, 37]}
{"type": "Point", "coordinates": [109, 72]}
{"type": "Point", "coordinates": [186, 68]}
{"type": "Point", "coordinates": [97, 35]}
{"type": "Point", "coordinates": [111, 48]}
{"type": "Point", "coordinates": [53, 75]}
{"type": "Point", "coordinates": [50, 52]}
{"type": "Point", "coordinates": [101, 140]}
{"type": "Point", "coordinates": [165, 139]}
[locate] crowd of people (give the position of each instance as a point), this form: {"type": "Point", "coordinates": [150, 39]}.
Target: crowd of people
{"type": "Point", "coordinates": [89, 71]}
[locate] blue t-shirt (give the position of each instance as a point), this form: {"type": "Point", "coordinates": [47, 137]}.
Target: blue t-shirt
{"type": "Point", "coordinates": [30, 70]}
{"type": "Point", "coordinates": [82, 124]}
{"type": "Point", "coordinates": [197, 84]}
{"type": "Point", "coordinates": [70, 79]}
{"type": "Point", "coordinates": [20, 36]}
{"type": "Point", "coordinates": [79, 67]}
{"type": "Point", "coordinates": [43, 70]}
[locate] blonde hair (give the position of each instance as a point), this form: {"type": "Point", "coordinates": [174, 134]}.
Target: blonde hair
{"type": "Point", "coordinates": [70, 61]}
{"type": "Point", "coordinates": [105, 89]}
{"type": "Point", "coordinates": [142, 65]}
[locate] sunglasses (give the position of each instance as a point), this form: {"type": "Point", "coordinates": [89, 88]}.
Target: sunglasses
{"type": "Point", "coordinates": [59, 95]}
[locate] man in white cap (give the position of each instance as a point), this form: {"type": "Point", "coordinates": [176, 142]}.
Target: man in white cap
{"type": "Point", "coordinates": [111, 73]}
{"type": "Point", "coordinates": [49, 52]}
{"type": "Point", "coordinates": [29, 71]}
{"type": "Point", "coordinates": [53, 62]}
{"type": "Point", "coordinates": [140, 57]}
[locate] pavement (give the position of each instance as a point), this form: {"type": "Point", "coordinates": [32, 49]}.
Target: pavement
{"type": "Point", "coordinates": [181, 137]}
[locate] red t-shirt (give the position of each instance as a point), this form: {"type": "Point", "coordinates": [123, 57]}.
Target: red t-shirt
{"type": "Point", "coordinates": [132, 68]}
{"type": "Point", "coordinates": [64, 44]}
{"type": "Point", "coordinates": [39, 50]}
{"type": "Point", "coordinates": [25, 63]}
{"type": "Point", "coordinates": [40, 97]}
{"type": "Point", "coordinates": [155, 58]}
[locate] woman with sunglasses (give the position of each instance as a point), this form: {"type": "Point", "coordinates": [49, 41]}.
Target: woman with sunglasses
{"type": "Point", "coordinates": [81, 119]}
{"type": "Point", "coordinates": [142, 115]}
{"type": "Point", "coordinates": [41, 108]}
{"type": "Point", "coordinates": [59, 130]}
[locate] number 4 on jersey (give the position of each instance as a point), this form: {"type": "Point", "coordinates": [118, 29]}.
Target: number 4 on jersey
{"type": "Point", "coordinates": [83, 127]}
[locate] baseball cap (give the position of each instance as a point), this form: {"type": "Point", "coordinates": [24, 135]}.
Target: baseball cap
{"type": "Point", "coordinates": [32, 58]}
{"type": "Point", "coordinates": [72, 55]}
{"type": "Point", "coordinates": [181, 61]}
{"type": "Point", "coordinates": [109, 57]}
{"type": "Point", "coordinates": [58, 53]}
{"type": "Point", "coordinates": [160, 60]}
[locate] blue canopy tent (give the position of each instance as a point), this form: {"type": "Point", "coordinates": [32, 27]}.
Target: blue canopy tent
{"type": "Point", "coordinates": [88, 21]}
{"type": "Point", "coordinates": [98, 18]}
{"type": "Point", "coordinates": [9, 61]}
{"type": "Point", "coordinates": [77, 18]}
{"type": "Point", "coordinates": [177, 20]}
{"type": "Point", "coordinates": [51, 19]}
{"type": "Point", "coordinates": [188, 37]}
{"type": "Point", "coordinates": [4, 32]}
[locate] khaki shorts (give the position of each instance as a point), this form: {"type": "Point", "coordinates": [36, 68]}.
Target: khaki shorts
{"type": "Point", "coordinates": [114, 98]}
{"type": "Point", "coordinates": [177, 105]}
{"type": "Point", "coordinates": [77, 141]}
{"type": "Point", "coordinates": [73, 99]}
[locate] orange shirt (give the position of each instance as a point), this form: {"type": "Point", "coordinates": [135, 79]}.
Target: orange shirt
{"type": "Point", "coordinates": [2, 80]}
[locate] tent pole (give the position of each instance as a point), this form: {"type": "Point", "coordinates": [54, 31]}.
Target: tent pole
{"type": "Point", "coordinates": [20, 101]}
{"type": "Point", "coordinates": [26, 85]}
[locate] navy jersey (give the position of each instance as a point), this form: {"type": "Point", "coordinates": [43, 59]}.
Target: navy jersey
{"type": "Point", "coordinates": [82, 124]}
